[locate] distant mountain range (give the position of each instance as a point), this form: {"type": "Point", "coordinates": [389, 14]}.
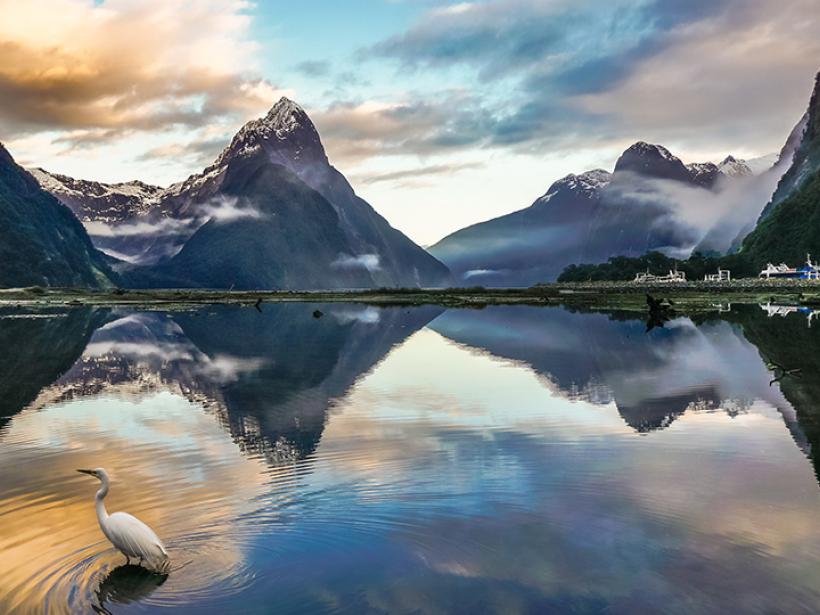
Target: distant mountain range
{"type": "Point", "coordinates": [270, 212]}
{"type": "Point", "coordinates": [651, 201]}
{"type": "Point", "coordinates": [41, 242]}
{"type": "Point", "coordinates": [765, 209]}
{"type": "Point", "coordinates": [787, 230]}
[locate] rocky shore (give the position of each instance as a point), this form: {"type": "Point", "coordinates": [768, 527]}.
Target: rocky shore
{"type": "Point", "coordinates": [628, 295]}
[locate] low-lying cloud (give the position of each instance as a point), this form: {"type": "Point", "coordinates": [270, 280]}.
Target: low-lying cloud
{"type": "Point", "coordinates": [147, 240]}
{"type": "Point", "coordinates": [221, 208]}
{"type": "Point", "coordinates": [371, 262]}
{"type": "Point", "coordinates": [228, 209]}
{"type": "Point", "coordinates": [161, 227]}
{"type": "Point", "coordinates": [477, 273]}
{"type": "Point", "coordinates": [717, 216]}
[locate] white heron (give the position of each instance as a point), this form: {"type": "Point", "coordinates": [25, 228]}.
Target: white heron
{"type": "Point", "coordinates": [130, 535]}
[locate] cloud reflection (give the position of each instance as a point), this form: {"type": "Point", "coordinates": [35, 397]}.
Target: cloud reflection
{"type": "Point", "coordinates": [372, 465]}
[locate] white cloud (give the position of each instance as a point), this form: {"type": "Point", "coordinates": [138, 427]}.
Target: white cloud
{"type": "Point", "coordinates": [362, 261]}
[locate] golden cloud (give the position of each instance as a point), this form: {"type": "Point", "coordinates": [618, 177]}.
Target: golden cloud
{"type": "Point", "coordinates": [125, 65]}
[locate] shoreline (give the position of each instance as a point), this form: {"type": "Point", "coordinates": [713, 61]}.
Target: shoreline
{"type": "Point", "coordinates": [695, 296]}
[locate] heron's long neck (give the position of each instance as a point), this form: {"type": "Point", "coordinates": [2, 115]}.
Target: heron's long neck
{"type": "Point", "coordinates": [102, 514]}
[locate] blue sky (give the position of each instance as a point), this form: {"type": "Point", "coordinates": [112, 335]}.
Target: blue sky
{"type": "Point", "coordinates": [441, 114]}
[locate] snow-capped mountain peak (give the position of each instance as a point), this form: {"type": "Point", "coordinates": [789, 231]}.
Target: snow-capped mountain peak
{"type": "Point", "coordinates": [587, 184]}
{"type": "Point", "coordinates": [703, 173]}
{"type": "Point", "coordinates": [652, 161]}
{"type": "Point", "coordinates": [734, 167]}
{"type": "Point", "coordinates": [286, 133]}
{"type": "Point", "coordinates": [644, 148]}
{"type": "Point", "coordinates": [286, 117]}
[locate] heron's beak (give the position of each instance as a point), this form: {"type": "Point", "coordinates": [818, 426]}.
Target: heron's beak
{"type": "Point", "coordinates": [89, 472]}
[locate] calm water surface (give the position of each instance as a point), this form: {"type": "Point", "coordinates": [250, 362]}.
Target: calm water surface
{"type": "Point", "coordinates": [394, 460]}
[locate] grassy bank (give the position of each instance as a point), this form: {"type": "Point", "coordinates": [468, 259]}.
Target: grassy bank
{"type": "Point", "coordinates": [625, 295]}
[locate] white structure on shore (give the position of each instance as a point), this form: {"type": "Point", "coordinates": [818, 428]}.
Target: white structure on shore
{"type": "Point", "coordinates": [722, 275]}
{"type": "Point", "coordinates": [810, 271]}
{"type": "Point", "coordinates": [671, 278]}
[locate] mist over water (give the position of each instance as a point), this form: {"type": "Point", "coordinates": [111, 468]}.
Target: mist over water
{"type": "Point", "coordinates": [504, 460]}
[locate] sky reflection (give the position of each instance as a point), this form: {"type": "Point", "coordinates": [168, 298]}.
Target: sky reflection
{"type": "Point", "coordinates": [389, 460]}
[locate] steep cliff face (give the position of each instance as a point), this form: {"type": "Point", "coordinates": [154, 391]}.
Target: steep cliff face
{"type": "Point", "coordinates": [41, 242]}
{"type": "Point", "coordinates": [790, 231]}
{"type": "Point", "coordinates": [803, 151]}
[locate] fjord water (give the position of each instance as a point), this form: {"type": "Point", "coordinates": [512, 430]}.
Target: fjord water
{"type": "Point", "coordinates": [375, 460]}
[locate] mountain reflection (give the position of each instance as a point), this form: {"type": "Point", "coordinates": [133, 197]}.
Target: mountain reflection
{"type": "Point", "coordinates": [651, 377]}
{"type": "Point", "coordinates": [788, 341]}
{"type": "Point", "coordinates": [37, 348]}
{"type": "Point", "coordinates": [543, 461]}
{"type": "Point", "coordinates": [269, 377]}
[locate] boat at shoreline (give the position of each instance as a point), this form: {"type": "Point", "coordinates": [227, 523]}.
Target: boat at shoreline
{"type": "Point", "coordinates": [809, 271]}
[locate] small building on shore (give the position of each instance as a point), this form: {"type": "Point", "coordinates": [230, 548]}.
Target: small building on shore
{"type": "Point", "coordinates": [671, 278]}
{"type": "Point", "coordinates": [722, 275]}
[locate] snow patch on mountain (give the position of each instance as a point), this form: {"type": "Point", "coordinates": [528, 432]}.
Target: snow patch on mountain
{"type": "Point", "coordinates": [642, 147]}
{"type": "Point", "coordinates": [98, 201]}
{"type": "Point", "coordinates": [733, 167]}
{"type": "Point", "coordinates": [588, 184]}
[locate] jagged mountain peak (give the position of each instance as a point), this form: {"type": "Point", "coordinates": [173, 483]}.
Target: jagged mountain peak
{"type": "Point", "coordinates": [652, 161]}
{"type": "Point", "coordinates": [285, 133]}
{"type": "Point", "coordinates": [587, 184]}
{"type": "Point", "coordinates": [643, 149]}
{"type": "Point", "coordinates": [704, 174]}
{"type": "Point", "coordinates": [734, 167]}
{"type": "Point", "coordinates": [702, 167]}
{"type": "Point", "coordinates": [278, 162]}
{"type": "Point", "coordinates": [286, 115]}
{"type": "Point", "coordinates": [5, 157]}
